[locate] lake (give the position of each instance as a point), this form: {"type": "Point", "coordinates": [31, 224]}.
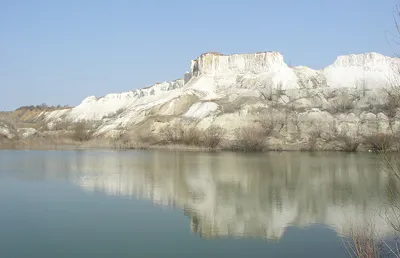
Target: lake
{"type": "Point", "coordinates": [186, 204]}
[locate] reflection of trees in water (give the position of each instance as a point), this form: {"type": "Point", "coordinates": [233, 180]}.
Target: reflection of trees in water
{"type": "Point", "coordinates": [393, 190]}
{"type": "Point", "coordinates": [239, 194]}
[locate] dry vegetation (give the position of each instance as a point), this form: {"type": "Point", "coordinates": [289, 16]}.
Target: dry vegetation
{"type": "Point", "coordinates": [134, 140]}
{"type": "Point", "coordinates": [268, 125]}
{"type": "Point", "coordinates": [313, 137]}
{"type": "Point", "coordinates": [82, 131]}
{"type": "Point", "coordinates": [172, 134]}
{"type": "Point", "coordinates": [252, 138]}
{"type": "Point", "coordinates": [362, 242]}
{"type": "Point", "coordinates": [192, 136]}
{"type": "Point", "coordinates": [249, 139]}
{"type": "Point", "coordinates": [43, 106]}
{"type": "Point", "coordinates": [343, 103]}
{"type": "Point", "coordinates": [213, 136]}
{"type": "Point", "coordinates": [379, 142]}
{"type": "Point", "coordinates": [348, 143]}
{"type": "Point", "coordinates": [392, 103]}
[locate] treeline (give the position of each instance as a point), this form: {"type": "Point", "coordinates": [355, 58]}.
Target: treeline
{"type": "Point", "coordinates": [42, 106]}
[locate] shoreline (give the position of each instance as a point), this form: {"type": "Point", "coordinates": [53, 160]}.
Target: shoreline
{"type": "Point", "coordinates": [167, 147]}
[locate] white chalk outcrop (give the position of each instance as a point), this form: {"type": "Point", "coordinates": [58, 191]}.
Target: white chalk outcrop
{"type": "Point", "coordinates": [370, 70]}
{"type": "Point", "coordinates": [262, 78]}
{"type": "Point", "coordinates": [7, 130]}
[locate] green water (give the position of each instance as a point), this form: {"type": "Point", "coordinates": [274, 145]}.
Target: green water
{"type": "Point", "coordinates": [185, 204]}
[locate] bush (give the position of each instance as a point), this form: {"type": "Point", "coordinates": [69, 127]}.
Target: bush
{"type": "Point", "coordinates": [192, 136]}
{"type": "Point", "coordinates": [379, 142]}
{"type": "Point", "coordinates": [348, 143]}
{"type": "Point", "coordinates": [82, 131]}
{"type": "Point", "coordinates": [343, 103]}
{"type": "Point", "coordinates": [135, 139]}
{"type": "Point", "coordinates": [249, 139]}
{"type": "Point", "coordinates": [392, 101]}
{"type": "Point", "coordinates": [43, 106]}
{"type": "Point", "coordinates": [363, 241]}
{"type": "Point", "coordinates": [267, 125]}
{"type": "Point", "coordinates": [61, 126]}
{"type": "Point", "coordinates": [172, 133]}
{"type": "Point", "coordinates": [212, 136]}
{"type": "Point", "coordinates": [313, 139]}
{"type": "Point", "coordinates": [176, 134]}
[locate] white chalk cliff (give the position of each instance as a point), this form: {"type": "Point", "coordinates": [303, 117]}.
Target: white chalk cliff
{"type": "Point", "coordinates": [265, 78]}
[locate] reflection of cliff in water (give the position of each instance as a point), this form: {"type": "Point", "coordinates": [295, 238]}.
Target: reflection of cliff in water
{"type": "Point", "coordinates": [230, 194]}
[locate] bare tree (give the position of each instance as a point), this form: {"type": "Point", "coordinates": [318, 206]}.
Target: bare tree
{"type": "Point", "coordinates": [213, 136]}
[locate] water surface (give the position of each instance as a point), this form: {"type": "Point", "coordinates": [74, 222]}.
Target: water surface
{"type": "Point", "coordinates": [186, 204]}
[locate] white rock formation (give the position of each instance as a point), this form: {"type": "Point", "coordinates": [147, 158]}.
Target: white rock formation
{"type": "Point", "coordinates": [7, 131]}
{"type": "Point", "coordinates": [28, 132]}
{"type": "Point", "coordinates": [371, 70]}
{"type": "Point", "coordinates": [358, 79]}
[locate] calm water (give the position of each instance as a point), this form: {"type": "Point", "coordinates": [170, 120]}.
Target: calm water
{"type": "Point", "coordinates": [178, 204]}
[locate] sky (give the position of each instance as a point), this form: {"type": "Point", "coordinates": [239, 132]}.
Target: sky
{"type": "Point", "coordinates": [59, 52]}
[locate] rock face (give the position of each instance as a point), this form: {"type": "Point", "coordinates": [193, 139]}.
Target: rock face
{"type": "Point", "coordinates": [370, 70]}
{"type": "Point", "coordinates": [7, 130]}
{"type": "Point", "coordinates": [218, 64]}
{"type": "Point", "coordinates": [232, 90]}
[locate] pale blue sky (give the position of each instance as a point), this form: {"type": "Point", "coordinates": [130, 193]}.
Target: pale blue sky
{"type": "Point", "coordinates": [60, 51]}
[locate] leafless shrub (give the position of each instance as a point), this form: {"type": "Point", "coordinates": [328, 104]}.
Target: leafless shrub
{"type": "Point", "coordinates": [61, 126]}
{"type": "Point", "coordinates": [148, 138]}
{"type": "Point", "coordinates": [391, 210]}
{"type": "Point", "coordinates": [333, 129]}
{"type": "Point", "coordinates": [82, 131]}
{"type": "Point", "coordinates": [379, 142]}
{"type": "Point", "coordinates": [192, 136]}
{"type": "Point", "coordinates": [393, 98]}
{"type": "Point", "coordinates": [267, 124]}
{"type": "Point", "coordinates": [212, 136]}
{"type": "Point", "coordinates": [392, 166]}
{"type": "Point", "coordinates": [271, 122]}
{"type": "Point", "coordinates": [249, 139]}
{"type": "Point", "coordinates": [176, 134]}
{"type": "Point", "coordinates": [362, 243]}
{"type": "Point", "coordinates": [343, 103]}
{"type": "Point", "coordinates": [313, 137]}
{"type": "Point", "coordinates": [348, 143]}
{"type": "Point", "coordinates": [172, 133]}
{"type": "Point", "coordinates": [391, 106]}
{"type": "Point", "coordinates": [134, 140]}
